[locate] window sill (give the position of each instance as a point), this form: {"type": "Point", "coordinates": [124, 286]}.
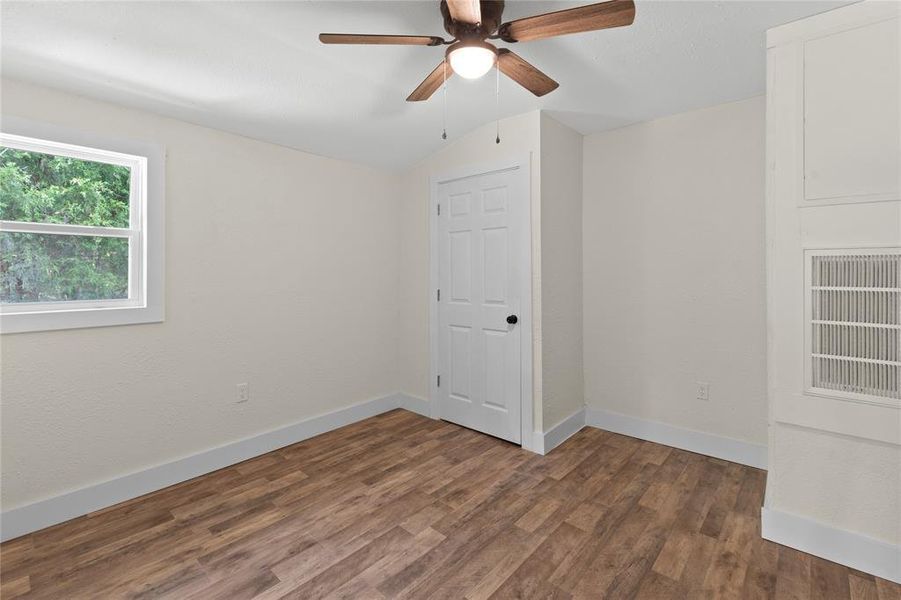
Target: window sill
{"type": "Point", "coordinates": [24, 322]}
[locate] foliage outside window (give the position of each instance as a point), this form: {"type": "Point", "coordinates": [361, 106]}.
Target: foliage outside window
{"type": "Point", "coordinates": [43, 188]}
{"type": "Point", "coordinates": [72, 234]}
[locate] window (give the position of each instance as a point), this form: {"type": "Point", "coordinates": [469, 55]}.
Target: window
{"type": "Point", "coordinates": [80, 230]}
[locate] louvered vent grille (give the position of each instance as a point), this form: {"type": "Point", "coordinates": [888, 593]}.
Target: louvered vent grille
{"type": "Point", "coordinates": [855, 323]}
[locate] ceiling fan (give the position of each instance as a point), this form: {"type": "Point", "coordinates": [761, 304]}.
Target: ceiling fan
{"type": "Point", "coordinates": [471, 22]}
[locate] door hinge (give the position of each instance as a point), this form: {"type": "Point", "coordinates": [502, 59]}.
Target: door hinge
{"type": "Point", "coordinates": [439, 210]}
{"type": "Point", "coordinates": [439, 381]}
{"type": "Point", "coordinates": [439, 295]}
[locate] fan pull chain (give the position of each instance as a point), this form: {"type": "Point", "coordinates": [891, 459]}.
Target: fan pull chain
{"type": "Point", "coordinates": [444, 124]}
{"type": "Point", "coordinates": [497, 103]}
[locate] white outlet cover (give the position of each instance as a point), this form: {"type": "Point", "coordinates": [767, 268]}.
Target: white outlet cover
{"type": "Point", "coordinates": [703, 390]}
{"type": "Point", "coordinates": [243, 393]}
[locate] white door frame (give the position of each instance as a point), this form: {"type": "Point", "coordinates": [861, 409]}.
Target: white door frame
{"type": "Point", "coordinates": [522, 168]}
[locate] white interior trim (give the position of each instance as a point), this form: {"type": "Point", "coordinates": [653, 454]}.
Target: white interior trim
{"type": "Point", "coordinates": [838, 545]}
{"type": "Point", "coordinates": [559, 433]}
{"type": "Point", "coordinates": [44, 513]}
{"type": "Point", "coordinates": [413, 404]}
{"type": "Point", "coordinates": [522, 166]}
{"type": "Point", "coordinates": [738, 451]}
{"type": "Point", "coordinates": [832, 21]}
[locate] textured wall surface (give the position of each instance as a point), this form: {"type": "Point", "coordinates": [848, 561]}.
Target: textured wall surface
{"type": "Point", "coordinates": [561, 270]}
{"type": "Point", "coordinates": [673, 237]}
{"type": "Point", "coordinates": [850, 483]}
{"type": "Point", "coordinates": [281, 272]}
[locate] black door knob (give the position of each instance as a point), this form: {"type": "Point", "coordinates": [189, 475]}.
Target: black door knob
{"type": "Point", "coordinates": [512, 319]}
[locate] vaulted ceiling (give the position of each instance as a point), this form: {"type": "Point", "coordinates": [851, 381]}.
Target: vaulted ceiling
{"type": "Point", "coordinates": [257, 68]}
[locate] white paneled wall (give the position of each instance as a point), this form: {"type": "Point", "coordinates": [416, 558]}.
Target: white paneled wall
{"type": "Point", "coordinates": [833, 244]}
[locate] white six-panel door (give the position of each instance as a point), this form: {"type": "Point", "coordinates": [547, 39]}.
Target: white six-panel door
{"type": "Point", "coordinates": [479, 233]}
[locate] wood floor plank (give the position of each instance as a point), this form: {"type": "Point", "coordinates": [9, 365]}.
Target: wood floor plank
{"type": "Point", "coordinates": [862, 588]}
{"type": "Point", "coordinates": [517, 553]}
{"type": "Point", "coordinates": [15, 588]}
{"type": "Point", "coordinates": [726, 575]}
{"type": "Point", "coordinates": [724, 501]}
{"type": "Point", "coordinates": [404, 507]}
{"type": "Point", "coordinates": [659, 587]}
{"type": "Point", "coordinates": [760, 580]}
{"type": "Point", "coordinates": [531, 579]}
{"type": "Point", "coordinates": [348, 567]}
{"type": "Point", "coordinates": [887, 590]}
{"type": "Point", "coordinates": [674, 555]}
{"type": "Point", "coordinates": [792, 575]}
{"type": "Point", "coordinates": [245, 583]}
{"type": "Point", "coordinates": [394, 563]}
{"type": "Point", "coordinates": [483, 523]}
{"type": "Point", "coordinates": [459, 576]}
{"type": "Point", "coordinates": [828, 580]}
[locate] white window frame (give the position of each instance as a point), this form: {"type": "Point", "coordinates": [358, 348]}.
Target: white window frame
{"type": "Point", "coordinates": [144, 233]}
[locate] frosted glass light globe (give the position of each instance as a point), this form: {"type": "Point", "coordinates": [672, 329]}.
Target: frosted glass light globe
{"type": "Point", "coordinates": [472, 61]}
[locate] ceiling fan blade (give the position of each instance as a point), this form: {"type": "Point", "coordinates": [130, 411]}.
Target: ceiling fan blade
{"type": "Point", "coordinates": [514, 67]}
{"type": "Point", "coordinates": [465, 11]}
{"type": "Point", "coordinates": [396, 40]}
{"type": "Point", "coordinates": [430, 84]}
{"type": "Point", "coordinates": [615, 13]}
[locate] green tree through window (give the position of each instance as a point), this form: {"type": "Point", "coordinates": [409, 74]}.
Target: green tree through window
{"type": "Point", "coordinates": [43, 188]}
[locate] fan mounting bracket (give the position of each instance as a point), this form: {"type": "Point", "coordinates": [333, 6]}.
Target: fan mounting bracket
{"type": "Point", "coordinates": [491, 20]}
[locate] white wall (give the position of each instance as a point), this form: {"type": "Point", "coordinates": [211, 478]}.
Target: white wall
{"type": "Point", "coordinates": [842, 481]}
{"type": "Point", "coordinates": [561, 272]}
{"type": "Point", "coordinates": [519, 137]}
{"type": "Point", "coordinates": [673, 237]}
{"type": "Point", "coordinates": [281, 272]}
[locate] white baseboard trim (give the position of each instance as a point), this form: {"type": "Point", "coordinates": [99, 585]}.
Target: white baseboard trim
{"type": "Point", "coordinates": [559, 433]}
{"type": "Point", "coordinates": [415, 404]}
{"type": "Point", "coordinates": [838, 545]}
{"type": "Point", "coordinates": [44, 513]}
{"type": "Point", "coordinates": [745, 453]}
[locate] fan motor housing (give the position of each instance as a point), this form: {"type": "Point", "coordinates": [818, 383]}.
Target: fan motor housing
{"type": "Point", "coordinates": [491, 20]}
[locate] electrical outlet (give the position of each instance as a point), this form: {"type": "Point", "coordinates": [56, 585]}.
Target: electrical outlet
{"type": "Point", "coordinates": [703, 390]}
{"type": "Point", "coordinates": [243, 393]}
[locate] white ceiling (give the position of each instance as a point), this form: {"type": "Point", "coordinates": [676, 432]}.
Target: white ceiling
{"type": "Point", "coordinates": [257, 68]}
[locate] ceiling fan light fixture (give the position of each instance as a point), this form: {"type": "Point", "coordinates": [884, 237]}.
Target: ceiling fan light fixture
{"type": "Point", "coordinates": [471, 59]}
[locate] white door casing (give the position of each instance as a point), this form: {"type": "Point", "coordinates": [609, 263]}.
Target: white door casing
{"type": "Point", "coordinates": [481, 268]}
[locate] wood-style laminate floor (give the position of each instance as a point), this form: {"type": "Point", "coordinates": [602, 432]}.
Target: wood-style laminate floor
{"type": "Point", "coordinates": [401, 506]}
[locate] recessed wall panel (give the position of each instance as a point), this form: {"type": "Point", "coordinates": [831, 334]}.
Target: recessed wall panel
{"type": "Point", "coordinates": [494, 244]}
{"type": "Point", "coordinates": [460, 204]}
{"type": "Point", "coordinates": [495, 368]}
{"type": "Point", "coordinates": [461, 265]}
{"type": "Point", "coordinates": [494, 200]}
{"type": "Point", "coordinates": [852, 139]}
{"type": "Point", "coordinates": [460, 364]}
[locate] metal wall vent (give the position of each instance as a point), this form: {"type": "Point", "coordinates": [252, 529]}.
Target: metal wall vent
{"type": "Point", "coordinates": [854, 324]}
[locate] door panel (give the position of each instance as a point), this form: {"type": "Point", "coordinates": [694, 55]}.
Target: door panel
{"type": "Point", "coordinates": [495, 368]}
{"type": "Point", "coordinates": [461, 266]}
{"type": "Point", "coordinates": [494, 242]}
{"type": "Point", "coordinates": [460, 367]}
{"type": "Point", "coordinates": [479, 352]}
